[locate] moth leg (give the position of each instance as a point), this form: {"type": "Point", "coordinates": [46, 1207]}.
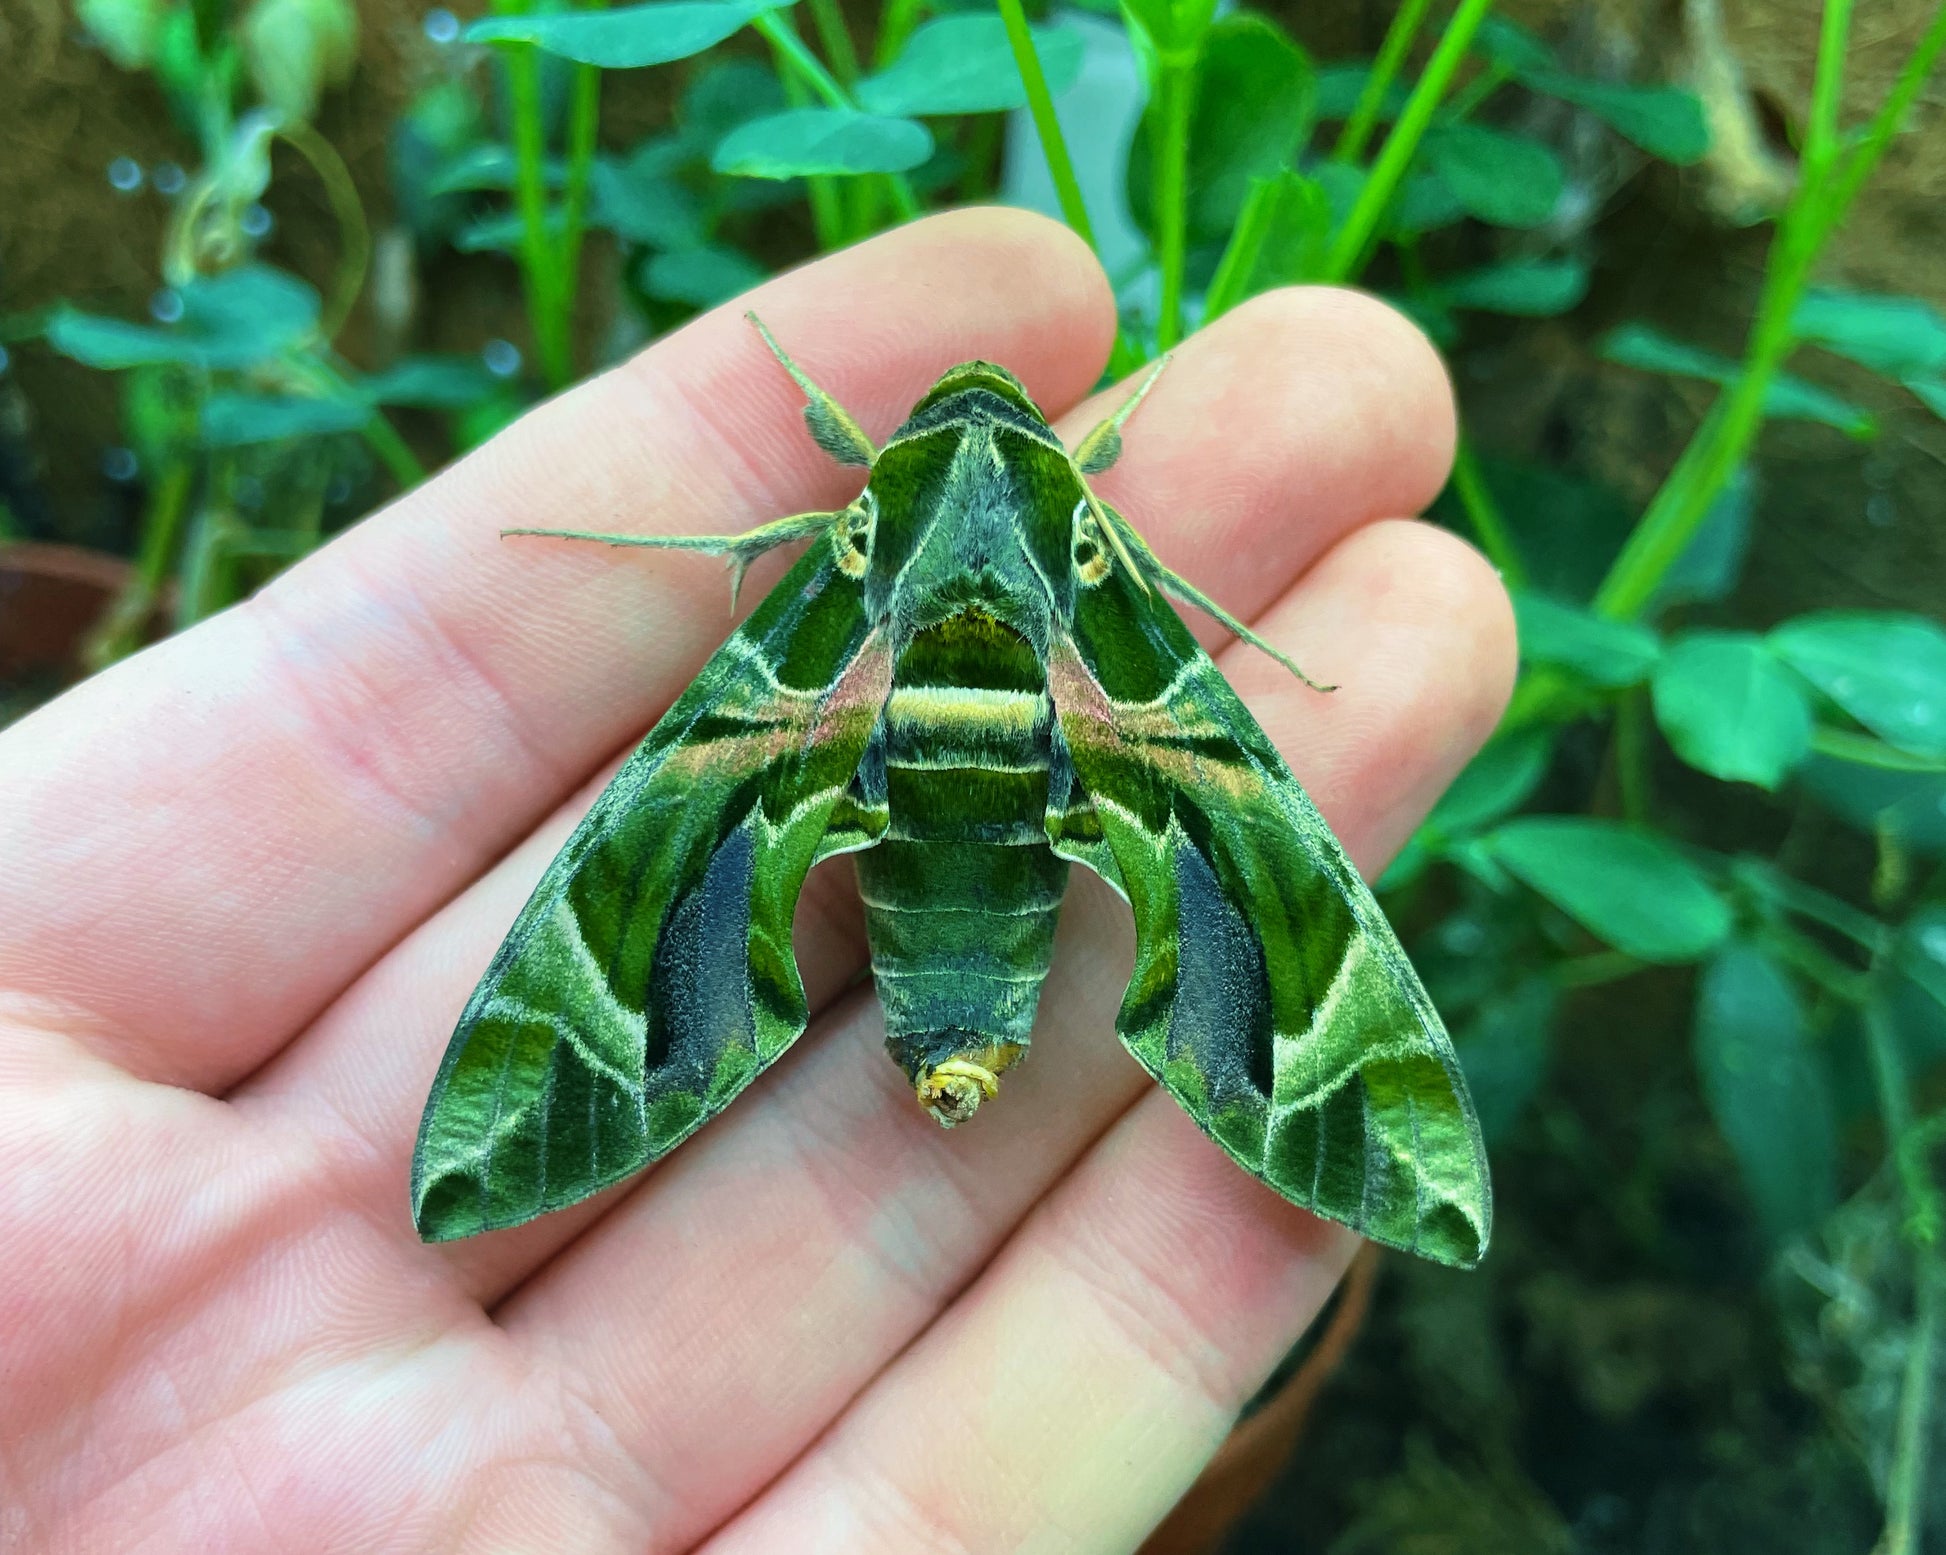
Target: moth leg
{"type": "Point", "coordinates": [742, 549]}
{"type": "Point", "coordinates": [831, 427]}
{"type": "Point", "coordinates": [1100, 449]}
{"type": "Point", "coordinates": [1175, 583]}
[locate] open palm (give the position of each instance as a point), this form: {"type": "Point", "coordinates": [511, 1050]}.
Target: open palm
{"type": "Point", "coordinates": [248, 878]}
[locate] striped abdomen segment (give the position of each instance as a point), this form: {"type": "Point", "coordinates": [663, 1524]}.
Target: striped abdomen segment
{"type": "Point", "coordinates": [962, 891]}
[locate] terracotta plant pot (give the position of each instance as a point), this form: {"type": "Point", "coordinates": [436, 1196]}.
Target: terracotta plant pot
{"type": "Point", "coordinates": [51, 596]}
{"type": "Point", "coordinates": [1264, 1439]}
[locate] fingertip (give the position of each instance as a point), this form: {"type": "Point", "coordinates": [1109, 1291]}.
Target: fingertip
{"type": "Point", "coordinates": [1385, 369]}
{"type": "Point", "coordinates": [1416, 628]}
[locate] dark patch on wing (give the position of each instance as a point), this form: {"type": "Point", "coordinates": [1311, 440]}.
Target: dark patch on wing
{"type": "Point", "coordinates": [699, 989]}
{"type": "Point", "coordinates": [1220, 1016]}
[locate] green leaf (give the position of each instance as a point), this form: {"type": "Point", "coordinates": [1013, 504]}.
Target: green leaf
{"type": "Point", "coordinates": [1167, 26]}
{"type": "Point", "coordinates": [1712, 562]}
{"type": "Point", "coordinates": [126, 30]}
{"type": "Point", "coordinates": [1788, 398]}
{"type": "Point", "coordinates": [1731, 709]}
{"type": "Point", "coordinates": [1512, 47]}
{"type": "Point", "coordinates": [635, 199]}
{"type": "Point", "coordinates": [702, 276]}
{"type": "Point", "coordinates": [724, 94]}
{"type": "Point", "coordinates": [1766, 1088]}
{"type": "Point", "coordinates": [637, 35]}
{"type": "Point", "coordinates": [1341, 85]}
{"type": "Point", "coordinates": [294, 48]}
{"type": "Point", "coordinates": [1628, 887]}
{"type": "Point", "coordinates": [1930, 392]}
{"type": "Point", "coordinates": [1504, 1051]}
{"type": "Point", "coordinates": [1907, 806]}
{"type": "Point", "coordinates": [964, 64]}
{"type": "Point", "coordinates": [234, 320]}
{"type": "Point", "coordinates": [1502, 179]}
{"type": "Point", "coordinates": [804, 142]}
{"type": "Point", "coordinates": [1254, 98]}
{"type": "Point", "coordinates": [1901, 337]}
{"type": "Point", "coordinates": [1887, 670]}
{"type": "Point", "coordinates": [1602, 652]}
{"type": "Point", "coordinates": [1528, 288]}
{"type": "Point", "coordinates": [490, 166]}
{"type": "Point", "coordinates": [1287, 216]}
{"type": "Point", "coordinates": [1494, 783]}
{"type": "Point", "coordinates": [432, 383]}
{"type": "Point", "coordinates": [1665, 121]}
{"type": "Point", "coordinates": [234, 420]}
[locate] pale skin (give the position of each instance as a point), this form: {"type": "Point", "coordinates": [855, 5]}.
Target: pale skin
{"type": "Point", "coordinates": [251, 874]}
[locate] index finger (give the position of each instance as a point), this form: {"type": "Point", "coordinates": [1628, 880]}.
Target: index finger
{"type": "Point", "coordinates": [208, 842]}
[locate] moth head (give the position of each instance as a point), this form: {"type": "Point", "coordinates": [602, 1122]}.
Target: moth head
{"type": "Point", "coordinates": [989, 376]}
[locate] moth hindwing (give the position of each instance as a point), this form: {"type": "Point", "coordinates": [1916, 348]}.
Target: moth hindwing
{"type": "Point", "coordinates": [971, 679]}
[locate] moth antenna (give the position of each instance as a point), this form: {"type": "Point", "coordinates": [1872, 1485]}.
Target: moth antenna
{"type": "Point", "coordinates": [832, 427]}
{"type": "Point", "coordinates": [1100, 449]}
{"type": "Point", "coordinates": [1189, 594]}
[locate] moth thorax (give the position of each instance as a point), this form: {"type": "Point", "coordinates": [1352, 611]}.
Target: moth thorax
{"type": "Point", "coordinates": [953, 1089]}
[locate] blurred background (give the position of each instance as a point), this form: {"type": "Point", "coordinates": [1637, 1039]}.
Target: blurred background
{"type": "Point", "coordinates": [265, 263]}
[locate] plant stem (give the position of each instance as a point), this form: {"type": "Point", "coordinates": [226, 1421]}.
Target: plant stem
{"type": "Point", "coordinates": [1905, 1491]}
{"type": "Point", "coordinates": [120, 630]}
{"type": "Point", "coordinates": [1807, 901]}
{"type": "Point", "coordinates": [1175, 87]}
{"type": "Point", "coordinates": [1467, 100]}
{"type": "Point", "coordinates": [795, 54]}
{"type": "Point", "coordinates": [1483, 513]}
{"type": "Point", "coordinates": [1890, 118]}
{"type": "Point", "coordinates": [826, 215]}
{"type": "Point", "coordinates": [393, 452]}
{"type": "Point", "coordinates": [1827, 186]}
{"type": "Point", "coordinates": [1040, 103]}
{"type": "Point", "coordinates": [836, 39]}
{"type": "Point", "coordinates": [537, 255]}
{"type": "Point", "coordinates": [1865, 751]}
{"type": "Point", "coordinates": [1632, 754]}
{"type": "Point", "coordinates": [1234, 270]}
{"type": "Point", "coordinates": [1925, 1212]}
{"type": "Point", "coordinates": [1905, 1497]}
{"type": "Point", "coordinates": [584, 131]}
{"type": "Point", "coordinates": [354, 234]}
{"type": "Point", "coordinates": [900, 17]}
{"type": "Point", "coordinates": [1347, 253]}
{"type": "Point", "coordinates": [1602, 966]}
{"type": "Point", "coordinates": [1385, 70]}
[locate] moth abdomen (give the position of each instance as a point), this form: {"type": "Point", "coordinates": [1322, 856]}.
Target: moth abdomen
{"type": "Point", "coordinates": [962, 893]}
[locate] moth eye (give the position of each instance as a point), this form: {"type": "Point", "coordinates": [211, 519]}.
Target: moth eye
{"type": "Point", "coordinates": [851, 536]}
{"type": "Point", "coordinates": [1090, 554]}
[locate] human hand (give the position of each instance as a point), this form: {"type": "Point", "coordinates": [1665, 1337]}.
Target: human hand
{"type": "Point", "coordinates": [251, 875]}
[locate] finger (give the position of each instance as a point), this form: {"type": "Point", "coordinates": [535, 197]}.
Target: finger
{"type": "Point", "coordinates": [780, 1260]}
{"type": "Point", "coordinates": [1072, 1395]}
{"type": "Point", "coordinates": [369, 1062]}
{"type": "Point", "coordinates": [1273, 434]}
{"type": "Point", "coordinates": [206, 843]}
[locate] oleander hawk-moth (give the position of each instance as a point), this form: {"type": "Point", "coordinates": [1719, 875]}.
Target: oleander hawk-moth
{"type": "Point", "coordinates": [970, 679]}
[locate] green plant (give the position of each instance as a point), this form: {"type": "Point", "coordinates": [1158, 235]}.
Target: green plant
{"type": "Point", "coordinates": [1253, 167]}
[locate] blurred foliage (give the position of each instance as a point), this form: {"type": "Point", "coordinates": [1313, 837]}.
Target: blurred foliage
{"type": "Point", "coordinates": [1709, 1065]}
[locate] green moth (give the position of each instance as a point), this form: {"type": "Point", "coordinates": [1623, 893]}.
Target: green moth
{"type": "Point", "coordinates": [970, 679]}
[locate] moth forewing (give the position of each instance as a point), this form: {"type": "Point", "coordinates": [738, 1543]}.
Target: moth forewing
{"type": "Point", "coordinates": [969, 680]}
